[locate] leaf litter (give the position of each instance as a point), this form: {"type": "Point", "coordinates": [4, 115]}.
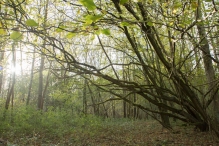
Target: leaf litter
{"type": "Point", "coordinates": [134, 133]}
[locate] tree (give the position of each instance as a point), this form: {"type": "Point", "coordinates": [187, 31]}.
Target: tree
{"type": "Point", "coordinates": [159, 38]}
{"type": "Point", "coordinates": [41, 96]}
{"type": "Point", "coordinates": [208, 65]}
{"type": "Point", "coordinates": [10, 94]}
{"type": "Point", "coordinates": [31, 79]}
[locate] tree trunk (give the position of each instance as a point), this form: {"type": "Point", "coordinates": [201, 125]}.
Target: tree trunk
{"type": "Point", "coordinates": [40, 85]}
{"type": "Point", "coordinates": [104, 108]}
{"type": "Point", "coordinates": [31, 79]}
{"type": "Point", "coordinates": [135, 108]}
{"type": "Point", "coordinates": [85, 97]}
{"type": "Point", "coordinates": [92, 100]}
{"type": "Point", "coordinates": [42, 62]}
{"type": "Point", "coordinates": [47, 84]}
{"type": "Point", "coordinates": [113, 108]}
{"type": "Point", "coordinates": [10, 95]}
{"type": "Point", "coordinates": [208, 65]}
{"type": "Point", "coordinates": [124, 91]}
{"type": "Point", "coordinates": [1, 70]}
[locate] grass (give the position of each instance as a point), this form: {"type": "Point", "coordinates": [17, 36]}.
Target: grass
{"type": "Point", "coordinates": [31, 128]}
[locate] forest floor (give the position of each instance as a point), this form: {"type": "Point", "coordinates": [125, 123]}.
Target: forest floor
{"type": "Point", "coordinates": [114, 133]}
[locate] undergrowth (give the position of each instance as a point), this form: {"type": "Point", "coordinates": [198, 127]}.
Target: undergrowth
{"type": "Point", "coordinates": [30, 127]}
{"type": "Point", "coordinates": [27, 123]}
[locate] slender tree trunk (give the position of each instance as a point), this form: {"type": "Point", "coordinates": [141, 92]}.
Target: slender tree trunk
{"type": "Point", "coordinates": [124, 93]}
{"type": "Point", "coordinates": [164, 118]}
{"type": "Point", "coordinates": [92, 100]}
{"type": "Point", "coordinates": [1, 70]}
{"type": "Point", "coordinates": [8, 99]}
{"type": "Point", "coordinates": [124, 109]}
{"type": "Point", "coordinates": [31, 79]}
{"type": "Point", "coordinates": [10, 95]}
{"type": "Point", "coordinates": [40, 85]}
{"type": "Point", "coordinates": [47, 84]}
{"type": "Point", "coordinates": [42, 62]}
{"type": "Point", "coordinates": [135, 114]}
{"type": "Point", "coordinates": [85, 97]}
{"type": "Point", "coordinates": [113, 108]}
{"type": "Point", "coordinates": [2, 55]}
{"type": "Point", "coordinates": [208, 65]}
{"type": "Point", "coordinates": [104, 108]}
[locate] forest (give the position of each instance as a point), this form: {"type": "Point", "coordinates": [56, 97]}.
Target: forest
{"type": "Point", "coordinates": [109, 72]}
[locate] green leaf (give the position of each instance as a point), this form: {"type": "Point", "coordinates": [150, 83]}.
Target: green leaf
{"type": "Point", "coordinates": [125, 24]}
{"type": "Point", "coordinates": [149, 23]}
{"type": "Point", "coordinates": [98, 32]}
{"type": "Point", "coordinates": [31, 22]}
{"type": "Point", "coordinates": [70, 35]}
{"type": "Point", "coordinates": [105, 31]}
{"type": "Point", "coordinates": [89, 4]}
{"type": "Point", "coordinates": [60, 28]}
{"type": "Point", "coordinates": [16, 36]}
{"type": "Point", "coordinates": [92, 37]}
{"type": "Point", "coordinates": [11, 12]}
{"type": "Point", "coordinates": [122, 2]}
{"type": "Point", "coordinates": [92, 18]}
{"type": "Point", "coordinates": [2, 31]}
{"type": "Point", "coordinates": [194, 5]}
{"type": "Point", "coordinates": [177, 5]}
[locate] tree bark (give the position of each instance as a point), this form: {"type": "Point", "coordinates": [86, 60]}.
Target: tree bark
{"type": "Point", "coordinates": [10, 95]}
{"type": "Point", "coordinates": [208, 65]}
{"type": "Point", "coordinates": [85, 97]}
{"type": "Point", "coordinates": [40, 85]}
{"type": "Point", "coordinates": [42, 62]}
{"type": "Point", "coordinates": [1, 71]}
{"type": "Point", "coordinates": [92, 100]}
{"type": "Point", "coordinates": [31, 78]}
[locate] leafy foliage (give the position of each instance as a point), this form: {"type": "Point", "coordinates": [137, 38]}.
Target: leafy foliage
{"type": "Point", "coordinates": [89, 4]}
{"type": "Point", "coordinates": [122, 2]}
{"type": "Point", "coordinates": [116, 58]}
{"type": "Point", "coordinates": [89, 19]}
{"type": "Point", "coordinates": [31, 22]}
{"type": "Point", "coordinates": [31, 127]}
{"type": "Point", "coordinates": [16, 36]}
{"type": "Point", "coordinates": [105, 31]}
{"type": "Point", "coordinates": [2, 31]}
